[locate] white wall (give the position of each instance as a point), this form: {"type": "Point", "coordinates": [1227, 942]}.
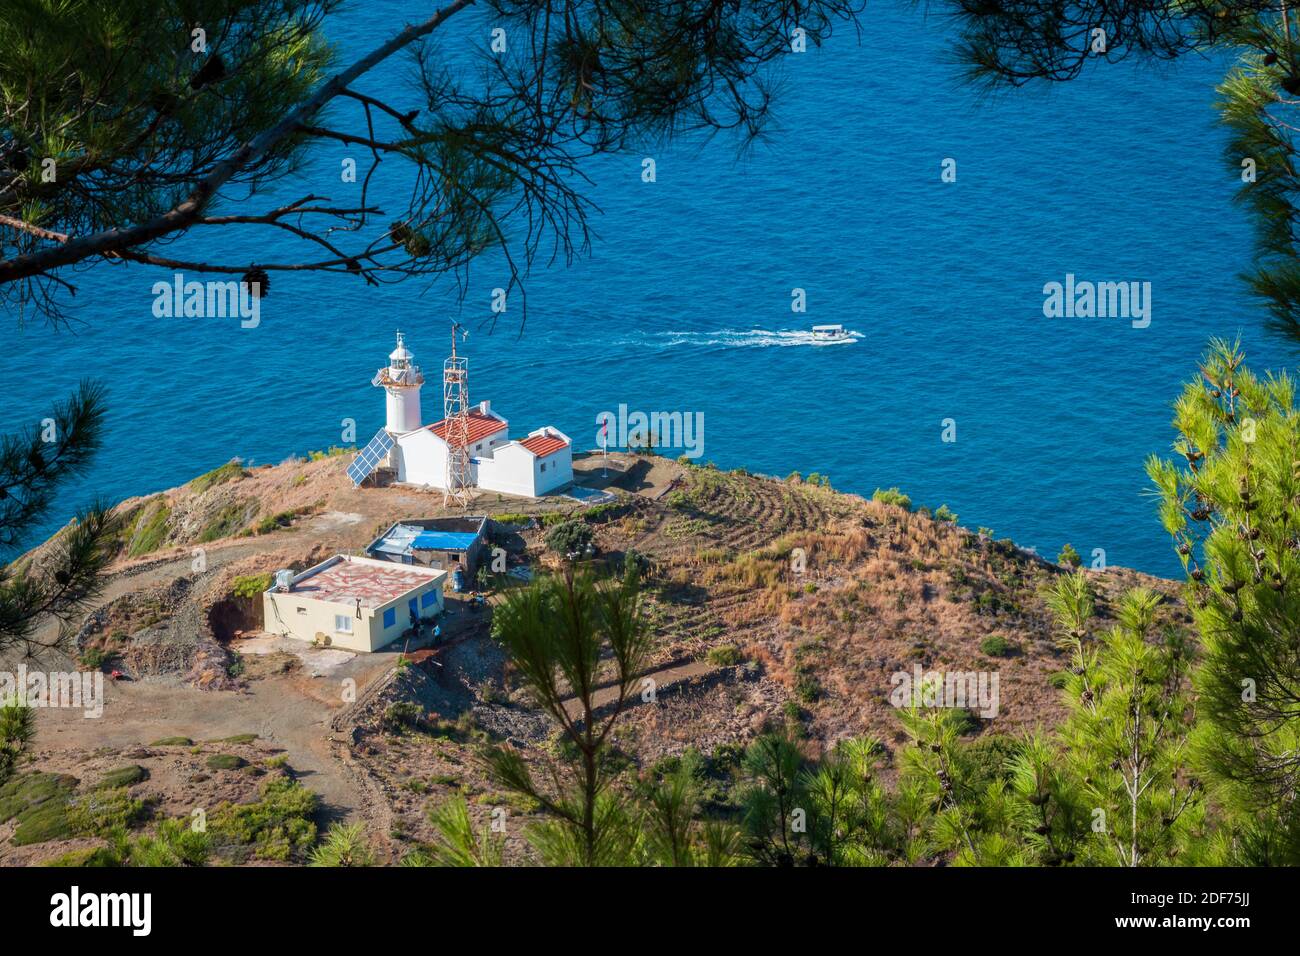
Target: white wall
{"type": "Point", "coordinates": [559, 471]}
{"type": "Point", "coordinates": [423, 459]}
{"type": "Point", "coordinates": [514, 470]}
{"type": "Point", "coordinates": [511, 470]}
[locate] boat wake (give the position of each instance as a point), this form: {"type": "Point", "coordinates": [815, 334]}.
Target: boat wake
{"type": "Point", "coordinates": [729, 338]}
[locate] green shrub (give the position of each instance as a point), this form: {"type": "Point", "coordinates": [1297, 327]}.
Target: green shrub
{"type": "Point", "coordinates": [173, 844]}
{"type": "Point", "coordinates": [944, 513]}
{"type": "Point", "coordinates": [88, 857]}
{"type": "Point", "coordinates": [610, 509]}
{"type": "Point", "coordinates": [1069, 557]}
{"type": "Point", "coordinates": [995, 645]}
{"type": "Point", "coordinates": [251, 585]}
{"type": "Point", "coordinates": [226, 522]}
{"type": "Point", "coordinates": [225, 762]}
{"type": "Point", "coordinates": [724, 655]}
{"type": "Point", "coordinates": [401, 714]}
{"type": "Point", "coordinates": [512, 517]}
{"type": "Point", "coordinates": [29, 790]}
{"type": "Point", "coordinates": [344, 846]}
{"type": "Point", "coordinates": [277, 827]}
{"type": "Point", "coordinates": [570, 539]}
{"type": "Point", "coordinates": [43, 823]}
{"type": "Point", "coordinates": [123, 777]}
{"type": "Point", "coordinates": [230, 471]}
{"type": "Point", "coordinates": [807, 688]}
{"type": "Point", "coordinates": [173, 742]}
{"type": "Point", "coordinates": [38, 802]}
{"type": "Point", "coordinates": [150, 528]}
{"type": "Point", "coordinates": [892, 496]}
{"type": "Point", "coordinates": [275, 522]}
{"type": "Point", "coordinates": [103, 811]}
{"type": "Point", "coordinates": [235, 739]}
{"type": "Point", "coordinates": [94, 658]}
{"type": "Point", "coordinates": [334, 451]}
{"type": "Point", "coordinates": [992, 755]}
{"type": "Point", "coordinates": [967, 723]}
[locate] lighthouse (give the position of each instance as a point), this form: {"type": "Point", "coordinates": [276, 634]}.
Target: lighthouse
{"type": "Point", "coordinates": [401, 380]}
{"type": "Point", "coordinates": [469, 448]}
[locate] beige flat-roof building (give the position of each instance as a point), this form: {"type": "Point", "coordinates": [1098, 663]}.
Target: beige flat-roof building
{"type": "Point", "coordinates": [358, 604]}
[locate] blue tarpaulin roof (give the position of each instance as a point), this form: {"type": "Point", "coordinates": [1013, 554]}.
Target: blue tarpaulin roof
{"type": "Point", "coordinates": [443, 541]}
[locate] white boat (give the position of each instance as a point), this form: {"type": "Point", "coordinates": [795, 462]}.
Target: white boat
{"type": "Point", "coordinates": [830, 335]}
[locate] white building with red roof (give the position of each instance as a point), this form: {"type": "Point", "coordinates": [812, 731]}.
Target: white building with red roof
{"type": "Point", "coordinates": [531, 467]}
{"type": "Point", "coordinates": [535, 465]}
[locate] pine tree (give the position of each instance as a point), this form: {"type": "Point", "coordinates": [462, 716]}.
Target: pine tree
{"type": "Point", "coordinates": [1231, 501]}
{"type": "Point", "coordinates": [55, 584]}
{"type": "Point", "coordinates": [1124, 742]}
{"type": "Point", "coordinates": [458, 842]}
{"type": "Point", "coordinates": [557, 633]}
{"type": "Point", "coordinates": [673, 829]}
{"type": "Point", "coordinates": [774, 801]}
{"type": "Point", "coordinates": [17, 728]}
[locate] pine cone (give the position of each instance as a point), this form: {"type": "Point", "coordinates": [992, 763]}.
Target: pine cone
{"type": "Point", "coordinates": [258, 282]}
{"type": "Point", "coordinates": [211, 71]}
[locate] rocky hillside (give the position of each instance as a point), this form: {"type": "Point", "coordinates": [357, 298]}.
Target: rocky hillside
{"type": "Point", "coordinates": [773, 603]}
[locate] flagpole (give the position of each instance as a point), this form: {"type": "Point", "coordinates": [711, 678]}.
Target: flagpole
{"type": "Point", "coordinates": [604, 445]}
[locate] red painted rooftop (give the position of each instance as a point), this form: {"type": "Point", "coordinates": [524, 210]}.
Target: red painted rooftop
{"type": "Point", "coordinates": [344, 582]}
{"type": "Point", "coordinates": [543, 445]}
{"type": "Point", "coordinates": [480, 427]}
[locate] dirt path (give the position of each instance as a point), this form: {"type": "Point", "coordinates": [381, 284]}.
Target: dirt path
{"type": "Point", "coordinates": [276, 710]}
{"type": "Point", "coordinates": [665, 676]}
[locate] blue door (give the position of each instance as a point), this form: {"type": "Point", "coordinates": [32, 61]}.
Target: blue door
{"type": "Point", "coordinates": [415, 610]}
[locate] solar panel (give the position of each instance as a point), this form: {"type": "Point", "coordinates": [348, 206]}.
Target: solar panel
{"type": "Point", "coordinates": [365, 463]}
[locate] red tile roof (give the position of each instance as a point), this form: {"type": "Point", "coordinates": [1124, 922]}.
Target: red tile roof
{"type": "Point", "coordinates": [480, 427]}
{"type": "Point", "coordinates": [543, 445]}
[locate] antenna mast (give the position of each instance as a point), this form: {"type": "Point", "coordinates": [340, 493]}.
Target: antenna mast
{"type": "Point", "coordinates": [455, 412]}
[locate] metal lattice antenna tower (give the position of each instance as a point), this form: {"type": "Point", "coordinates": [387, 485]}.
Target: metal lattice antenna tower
{"type": "Point", "coordinates": [455, 412]}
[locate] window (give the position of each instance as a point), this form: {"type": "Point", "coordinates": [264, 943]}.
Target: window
{"type": "Point", "coordinates": [390, 617]}
{"type": "Point", "coordinates": [478, 447]}
{"type": "Point", "coordinates": [302, 610]}
{"type": "Point", "coordinates": [342, 623]}
{"type": "Point", "coordinates": [543, 466]}
{"type": "Point", "coordinates": [428, 597]}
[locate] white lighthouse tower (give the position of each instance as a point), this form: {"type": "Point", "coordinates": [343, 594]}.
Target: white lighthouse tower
{"type": "Point", "coordinates": [401, 380]}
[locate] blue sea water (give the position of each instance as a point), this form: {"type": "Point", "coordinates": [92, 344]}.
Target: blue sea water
{"type": "Point", "coordinates": [684, 302]}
